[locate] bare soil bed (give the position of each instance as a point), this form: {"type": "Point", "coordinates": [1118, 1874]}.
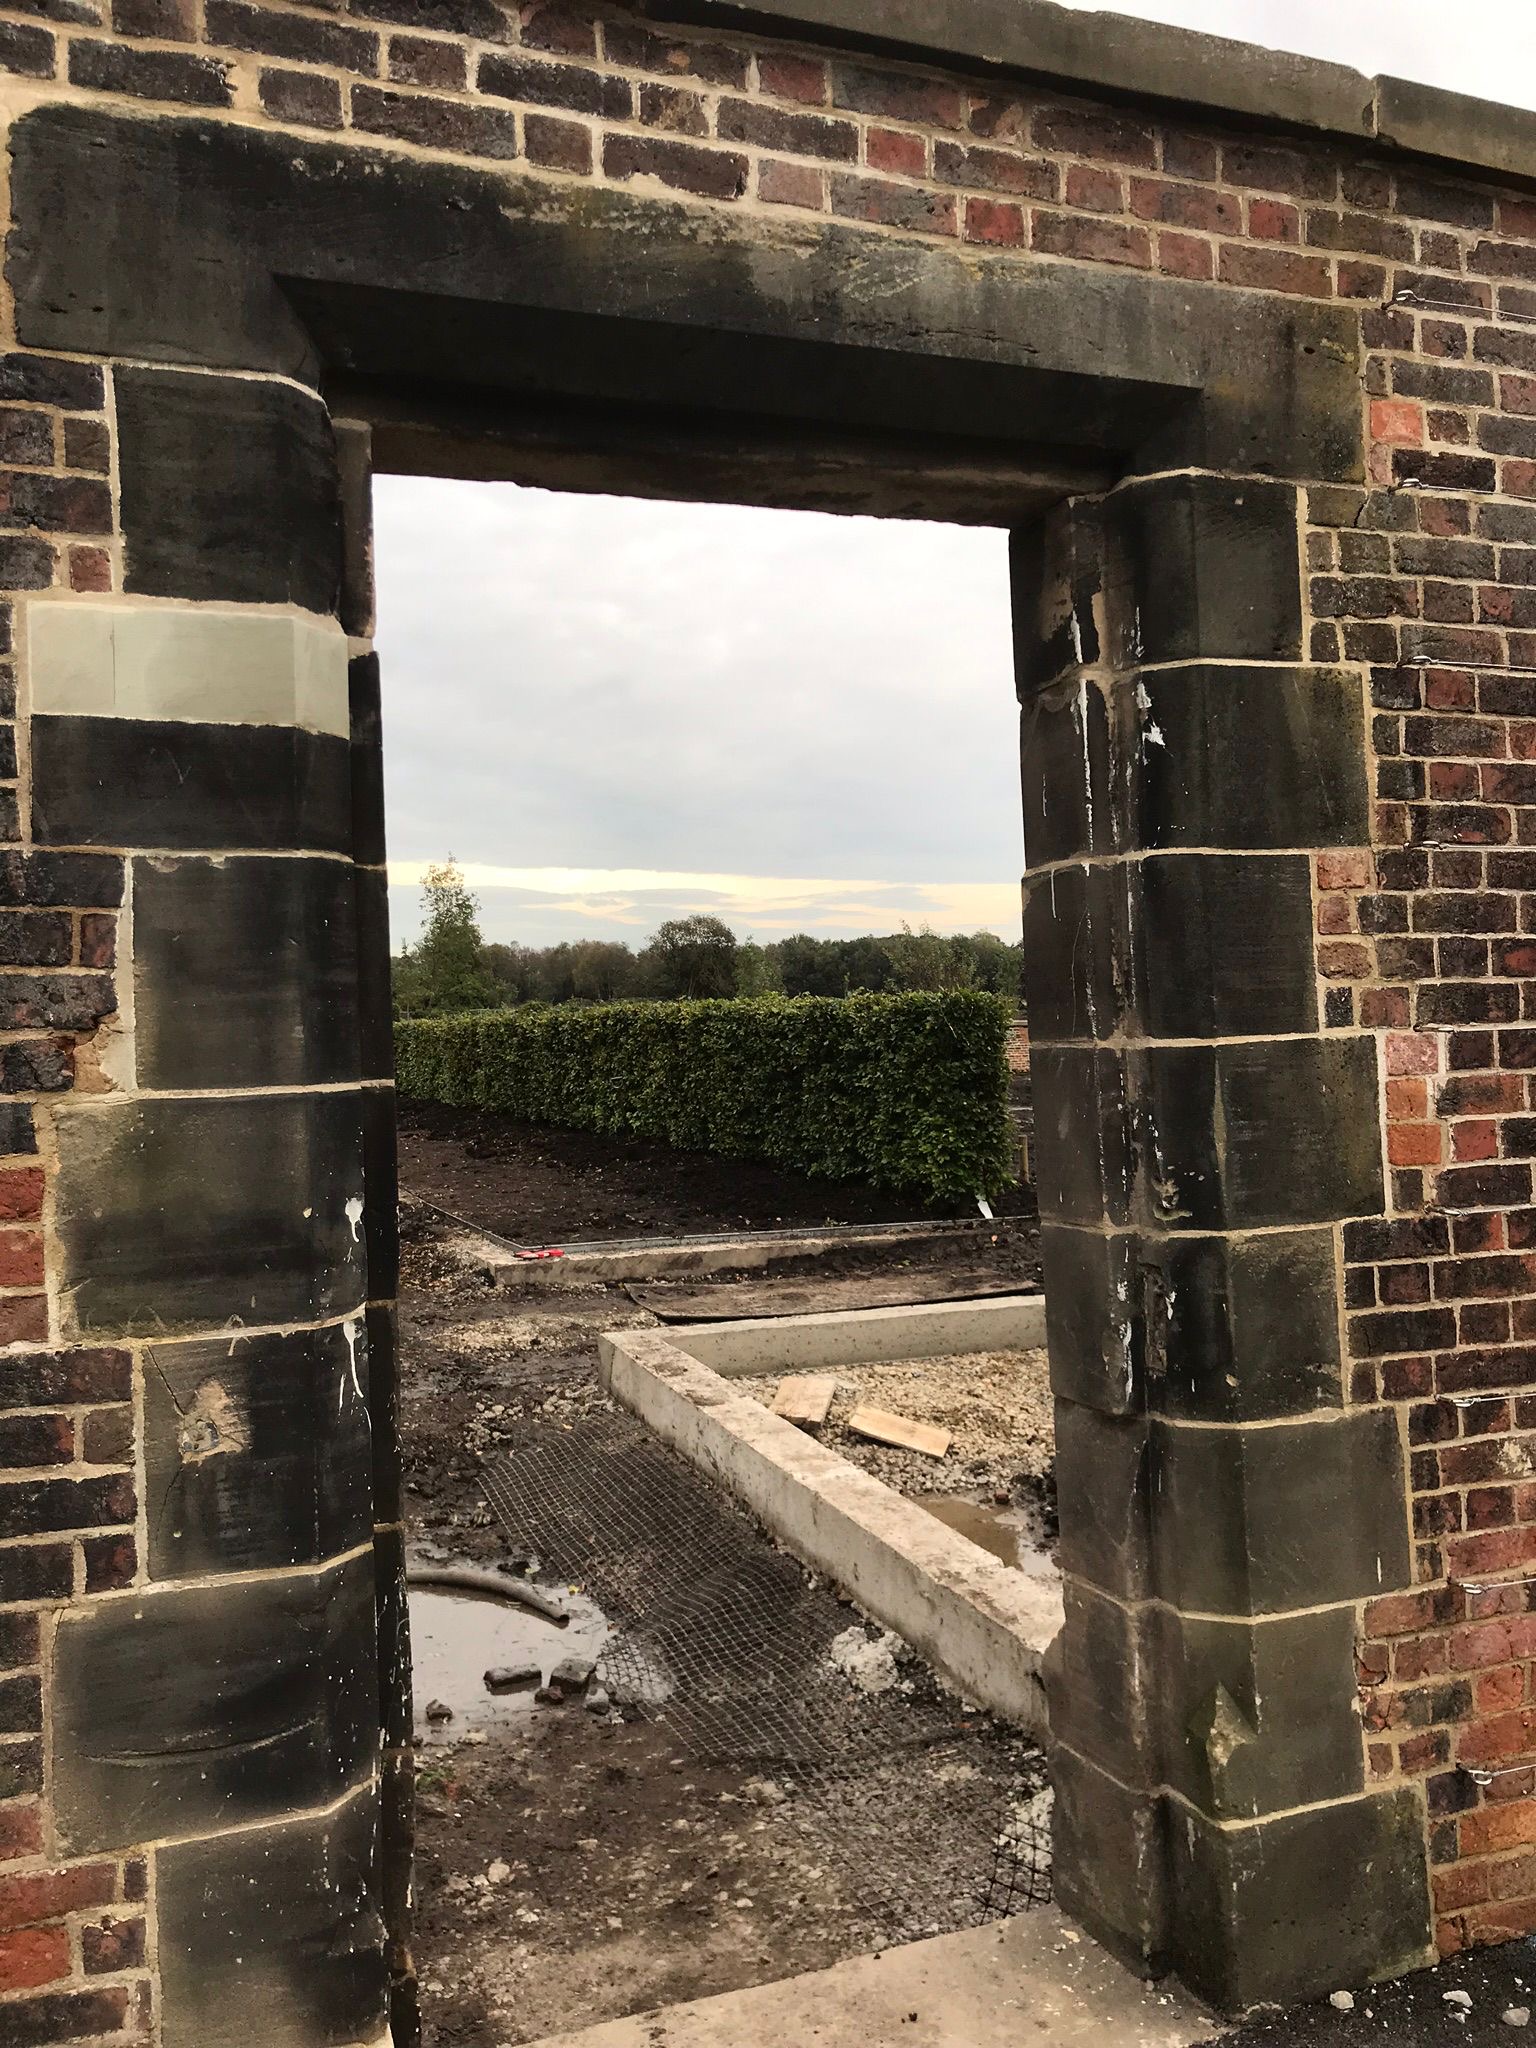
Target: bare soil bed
{"type": "Point", "coordinates": [541, 1186]}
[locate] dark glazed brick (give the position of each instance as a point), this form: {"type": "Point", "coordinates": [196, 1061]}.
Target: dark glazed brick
{"type": "Point", "coordinates": [31, 1507]}
{"type": "Point", "coordinates": [150, 74]}
{"type": "Point", "coordinates": [303, 40]}
{"type": "Point", "coordinates": [637, 49]}
{"type": "Point", "coordinates": [712, 173]}
{"type": "Point", "coordinates": [146, 782]}
{"type": "Point", "coordinates": [36, 1066]}
{"type": "Point", "coordinates": [33, 1571]}
{"type": "Point", "coordinates": [302, 97]}
{"type": "Point", "coordinates": [27, 437]}
{"type": "Point", "coordinates": [256, 1451]}
{"type": "Point", "coordinates": [27, 51]}
{"type": "Point", "coordinates": [275, 1937]}
{"type": "Point", "coordinates": [35, 938]}
{"type": "Point", "coordinates": [62, 2016]}
{"type": "Point", "coordinates": [251, 1697]}
{"type": "Point", "coordinates": [21, 1706]}
{"type": "Point", "coordinates": [174, 1214]}
{"type": "Point", "coordinates": [558, 145]}
{"type": "Point", "coordinates": [45, 380]}
{"type": "Point", "coordinates": [245, 972]}
{"type": "Point", "coordinates": [764, 127]}
{"type": "Point", "coordinates": [1205, 566]}
{"type": "Point", "coordinates": [567, 86]}
{"type": "Point", "coordinates": [25, 565]}
{"type": "Point", "coordinates": [434, 123]}
{"type": "Point", "coordinates": [229, 490]}
{"type": "Point", "coordinates": [111, 1563]}
{"type": "Point", "coordinates": [110, 1946]}
{"type": "Point", "coordinates": [87, 445]}
{"type": "Point", "coordinates": [422, 60]}
{"type": "Point", "coordinates": [167, 21]}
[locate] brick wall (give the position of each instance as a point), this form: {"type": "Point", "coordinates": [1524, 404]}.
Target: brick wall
{"type": "Point", "coordinates": [1425, 579]}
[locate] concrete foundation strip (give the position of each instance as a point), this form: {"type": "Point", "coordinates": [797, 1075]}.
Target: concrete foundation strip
{"type": "Point", "coordinates": [983, 1626]}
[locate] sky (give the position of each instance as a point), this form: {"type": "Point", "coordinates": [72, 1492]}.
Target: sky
{"type": "Point", "coordinates": [613, 711]}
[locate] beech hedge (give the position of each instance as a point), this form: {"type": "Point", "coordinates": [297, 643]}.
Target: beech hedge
{"type": "Point", "coordinates": [906, 1091]}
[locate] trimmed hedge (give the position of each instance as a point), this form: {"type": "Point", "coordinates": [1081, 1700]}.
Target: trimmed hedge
{"type": "Point", "coordinates": [907, 1091]}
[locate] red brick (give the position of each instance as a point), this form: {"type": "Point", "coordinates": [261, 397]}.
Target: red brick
{"type": "Point", "coordinates": [23, 1319]}
{"type": "Point", "coordinates": [26, 1900]}
{"type": "Point", "coordinates": [1346, 870]}
{"type": "Point", "coordinates": [896, 150]}
{"type": "Point", "coordinates": [1412, 1053]}
{"type": "Point", "coordinates": [1185, 206]}
{"type": "Point", "coordinates": [1095, 190]}
{"type": "Point", "coordinates": [32, 1956]}
{"type": "Point", "coordinates": [792, 78]}
{"type": "Point", "coordinates": [1397, 421]}
{"type": "Point", "coordinates": [21, 1258]}
{"type": "Point", "coordinates": [1414, 1145]}
{"type": "Point", "coordinates": [1271, 220]}
{"type": "Point", "coordinates": [1275, 270]}
{"type": "Point", "coordinates": [21, 1830]}
{"type": "Point", "coordinates": [1185, 256]}
{"type": "Point", "coordinates": [996, 221]}
{"type": "Point", "coordinates": [784, 184]}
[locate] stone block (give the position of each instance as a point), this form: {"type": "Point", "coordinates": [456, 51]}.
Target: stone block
{"type": "Point", "coordinates": [160, 783]}
{"type": "Point", "coordinates": [276, 1935]}
{"type": "Point", "coordinates": [1082, 1150]}
{"type": "Point", "coordinates": [1105, 1484]}
{"type": "Point", "coordinates": [176, 1215]}
{"type": "Point", "coordinates": [1202, 566]}
{"type": "Point", "coordinates": [1252, 1134]}
{"type": "Point", "coordinates": [1292, 1907]}
{"type": "Point", "coordinates": [257, 1450]}
{"type": "Point", "coordinates": [184, 1709]}
{"type": "Point", "coordinates": [229, 490]}
{"type": "Point", "coordinates": [245, 972]}
{"type": "Point", "coordinates": [1259, 1519]}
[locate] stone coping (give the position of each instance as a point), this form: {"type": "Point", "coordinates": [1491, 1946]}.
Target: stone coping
{"type": "Point", "coordinates": [1084, 50]}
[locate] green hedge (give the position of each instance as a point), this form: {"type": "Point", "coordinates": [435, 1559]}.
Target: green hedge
{"type": "Point", "coordinates": [907, 1091]}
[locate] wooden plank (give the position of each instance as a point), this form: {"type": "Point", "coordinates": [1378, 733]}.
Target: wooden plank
{"type": "Point", "coordinates": [804, 1398]}
{"type": "Point", "coordinates": [728, 1300]}
{"type": "Point", "coordinates": [884, 1428]}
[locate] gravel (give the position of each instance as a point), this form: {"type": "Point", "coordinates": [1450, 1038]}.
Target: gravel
{"type": "Point", "coordinates": [997, 1404]}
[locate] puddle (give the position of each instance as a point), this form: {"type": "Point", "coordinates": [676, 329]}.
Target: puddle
{"type": "Point", "coordinates": [457, 1637]}
{"type": "Point", "coordinates": [1007, 1533]}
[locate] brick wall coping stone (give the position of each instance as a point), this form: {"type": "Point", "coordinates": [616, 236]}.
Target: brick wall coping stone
{"type": "Point", "coordinates": [1149, 60]}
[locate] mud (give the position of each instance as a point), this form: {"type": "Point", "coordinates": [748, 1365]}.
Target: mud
{"type": "Point", "coordinates": [539, 1186]}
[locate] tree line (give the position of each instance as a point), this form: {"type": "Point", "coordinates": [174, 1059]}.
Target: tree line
{"type": "Point", "coordinates": [453, 968]}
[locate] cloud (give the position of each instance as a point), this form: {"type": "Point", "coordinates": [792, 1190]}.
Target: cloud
{"type": "Point", "coordinates": [629, 903]}
{"type": "Point", "coordinates": [601, 685]}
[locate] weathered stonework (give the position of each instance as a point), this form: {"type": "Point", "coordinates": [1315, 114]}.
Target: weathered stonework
{"type": "Point", "coordinates": [1258, 395]}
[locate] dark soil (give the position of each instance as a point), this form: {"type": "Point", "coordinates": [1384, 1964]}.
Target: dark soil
{"type": "Point", "coordinates": [541, 1186]}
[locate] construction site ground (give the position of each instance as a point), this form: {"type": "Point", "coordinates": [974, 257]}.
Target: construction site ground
{"type": "Point", "coordinates": [574, 1869]}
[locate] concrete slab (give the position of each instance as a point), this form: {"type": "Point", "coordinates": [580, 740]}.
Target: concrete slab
{"type": "Point", "coordinates": [1033, 1979]}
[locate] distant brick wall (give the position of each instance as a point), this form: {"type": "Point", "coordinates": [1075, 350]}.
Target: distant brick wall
{"type": "Point", "coordinates": [1424, 580]}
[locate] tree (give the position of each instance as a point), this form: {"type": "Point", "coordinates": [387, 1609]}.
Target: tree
{"type": "Point", "coordinates": [757, 971]}
{"type": "Point", "coordinates": [692, 956]}
{"type": "Point", "coordinates": [602, 970]}
{"type": "Point", "coordinates": [446, 970]}
{"type": "Point", "coordinates": [926, 960]}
